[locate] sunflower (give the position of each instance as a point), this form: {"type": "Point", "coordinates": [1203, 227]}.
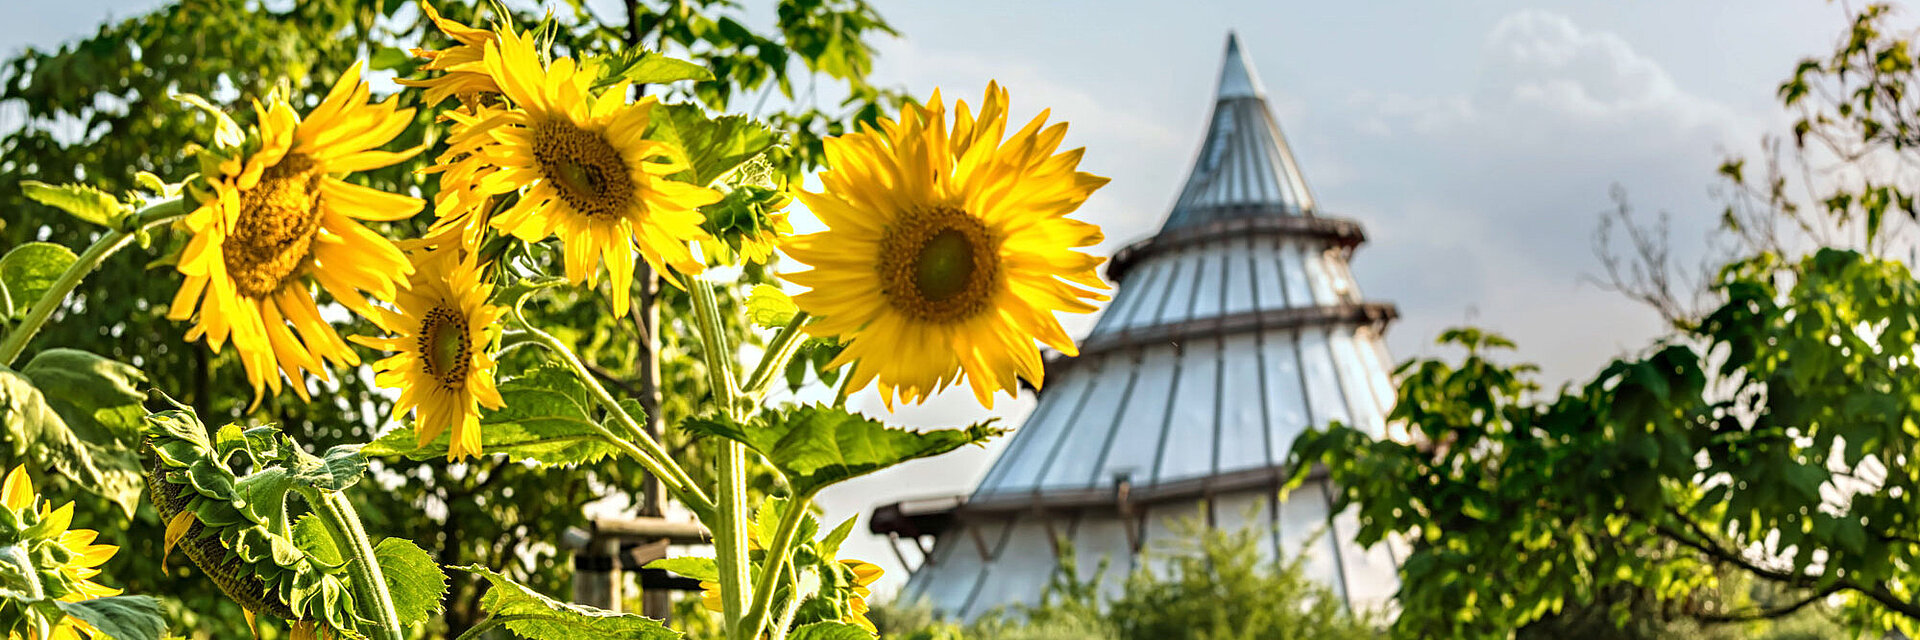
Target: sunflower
{"type": "Point", "coordinates": [464, 74]}
{"type": "Point", "coordinates": [441, 366]}
{"type": "Point", "coordinates": [80, 558]}
{"type": "Point", "coordinates": [861, 576]}
{"type": "Point", "coordinates": [864, 575]}
{"type": "Point", "coordinates": [947, 254]}
{"type": "Point", "coordinates": [460, 208]}
{"type": "Point", "coordinates": [275, 217]}
{"type": "Point", "coordinates": [586, 173]}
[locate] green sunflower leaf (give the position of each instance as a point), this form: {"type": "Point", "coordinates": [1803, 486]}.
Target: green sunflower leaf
{"type": "Point", "coordinates": [539, 617]}
{"type": "Point", "coordinates": [34, 430]}
{"type": "Point", "coordinates": [28, 271]}
{"type": "Point", "coordinates": [340, 467]}
{"type": "Point", "coordinates": [100, 403]}
{"type": "Point", "coordinates": [830, 631]}
{"type": "Point", "coordinates": [310, 535]}
{"type": "Point", "coordinates": [640, 66]}
{"type": "Point", "coordinates": [84, 202]}
{"type": "Point", "coordinates": [120, 617]}
{"type": "Point", "coordinates": [714, 146]}
{"type": "Point", "coordinates": [770, 307]}
{"type": "Point", "coordinates": [702, 569]}
{"type": "Point", "coordinates": [816, 446]}
{"type": "Point", "coordinates": [413, 578]}
{"type": "Point", "coordinates": [545, 419]}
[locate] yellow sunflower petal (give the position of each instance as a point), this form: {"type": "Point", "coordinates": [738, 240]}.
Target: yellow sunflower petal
{"type": "Point", "coordinates": [968, 235]}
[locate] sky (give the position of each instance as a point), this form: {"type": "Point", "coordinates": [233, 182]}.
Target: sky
{"type": "Point", "coordinates": [1476, 141]}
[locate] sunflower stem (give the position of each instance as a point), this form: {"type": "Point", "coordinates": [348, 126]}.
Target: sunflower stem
{"type": "Point", "coordinates": [785, 623]}
{"type": "Point", "coordinates": [648, 453]}
{"type": "Point", "coordinates": [730, 531]}
{"type": "Point", "coordinates": [112, 241]}
{"type": "Point", "coordinates": [16, 555]}
{"type": "Point", "coordinates": [784, 345]}
{"type": "Point", "coordinates": [344, 523]}
{"type": "Point", "coordinates": [779, 554]}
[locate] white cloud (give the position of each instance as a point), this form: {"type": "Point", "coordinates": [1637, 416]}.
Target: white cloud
{"type": "Point", "coordinates": [1497, 187]}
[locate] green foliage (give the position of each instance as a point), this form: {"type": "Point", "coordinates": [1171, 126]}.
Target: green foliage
{"type": "Point", "coordinates": [701, 569]}
{"type": "Point", "coordinates": [27, 272]}
{"type": "Point", "coordinates": [413, 579]}
{"type": "Point", "coordinates": [89, 430]}
{"type": "Point", "coordinates": [1771, 440]}
{"type": "Point", "coordinates": [714, 146]}
{"type": "Point", "coordinates": [83, 201]}
{"type": "Point", "coordinates": [640, 66]}
{"type": "Point", "coordinates": [534, 616]}
{"type": "Point", "coordinates": [770, 307]}
{"type": "Point", "coordinates": [119, 617]}
{"type": "Point", "coordinates": [242, 533]}
{"type": "Point", "coordinates": [815, 446]}
{"type": "Point", "coordinates": [1649, 477]}
{"type": "Point", "coordinates": [830, 631]}
{"type": "Point", "coordinates": [1216, 586]}
{"type": "Point", "coordinates": [547, 419]}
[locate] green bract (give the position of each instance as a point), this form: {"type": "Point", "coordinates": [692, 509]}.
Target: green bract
{"type": "Point", "coordinates": [242, 532]}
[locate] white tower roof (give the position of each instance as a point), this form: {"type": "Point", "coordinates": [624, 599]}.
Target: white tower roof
{"type": "Point", "coordinates": [1235, 328]}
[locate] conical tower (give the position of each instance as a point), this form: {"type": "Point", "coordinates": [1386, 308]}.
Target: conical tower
{"type": "Point", "coordinates": [1234, 329]}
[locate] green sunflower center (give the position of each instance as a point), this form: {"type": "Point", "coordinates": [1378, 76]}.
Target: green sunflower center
{"type": "Point", "coordinates": [273, 236]}
{"type": "Point", "coordinates": [584, 167]}
{"type": "Point", "coordinates": [445, 345]}
{"type": "Point", "coordinates": [939, 265]}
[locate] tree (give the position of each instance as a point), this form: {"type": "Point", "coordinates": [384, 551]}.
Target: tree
{"type": "Point", "coordinates": [104, 101]}
{"type": "Point", "coordinates": [1770, 439]}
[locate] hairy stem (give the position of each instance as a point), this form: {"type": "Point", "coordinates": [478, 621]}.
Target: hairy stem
{"type": "Point", "coordinates": [779, 552]}
{"type": "Point", "coordinates": [730, 529]}
{"type": "Point", "coordinates": [648, 451]}
{"type": "Point", "coordinates": [778, 353]}
{"type": "Point", "coordinates": [368, 581]}
{"type": "Point", "coordinates": [109, 243]}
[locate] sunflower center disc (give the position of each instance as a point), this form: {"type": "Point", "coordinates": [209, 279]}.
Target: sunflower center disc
{"type": "Point", "coordinates": [938, 265]}
{"type": "Point", "coordinates": [586, 170]}
{"type": "Point", "coordinates": [945, 266]}
{"type": "Point", "coordinates": [277, 222]}
{"type": "Point", "coordinates": [444, 346]}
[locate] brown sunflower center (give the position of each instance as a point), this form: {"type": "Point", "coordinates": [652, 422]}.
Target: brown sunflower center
{"type": "Point", "coordinates": [587, 171]}
{"type": "Point", "coordinates": [938, 265]}
{"type": "Point", "coordinates": [274, 234]}
{"type": "Point", "coordinates": [445, 345]}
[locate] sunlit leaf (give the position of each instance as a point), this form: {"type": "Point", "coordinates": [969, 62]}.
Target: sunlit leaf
{"type": "Point", "coordinates": [546, 420]}
{"type": "Point", "coordinates": [120, 617]}
{"type": "Point", "coordinates": [415, 581]}
{"type": "Point", "coordinates": [714, 146]}
{"type": "Point", "coordinates": [539, 617]}
{"type": "Point", "coordinates": [640, 66]}
{"type": "Point", "coordinates": [83, 201]}
{"type": "Point", "coordinates": [816, 446]}
{"type": "Point", "coordinates": [29, 270]}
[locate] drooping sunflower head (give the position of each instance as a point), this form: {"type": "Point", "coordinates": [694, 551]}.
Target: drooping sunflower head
{"type": "Point", "coordinates": [276, 218]}
{"type": "Point", "coordinates": [442, 329]}
{"type": "Point", "coordinates": [948, 251]}
{"type": "Point", "coordinates": [462, 72]}
{"type": "Point", "coordinates": [862, 575]}
{"type": "Point", "coordinates": [583, 170]}
{"type": "Point", "coordinates": [64, 560]}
